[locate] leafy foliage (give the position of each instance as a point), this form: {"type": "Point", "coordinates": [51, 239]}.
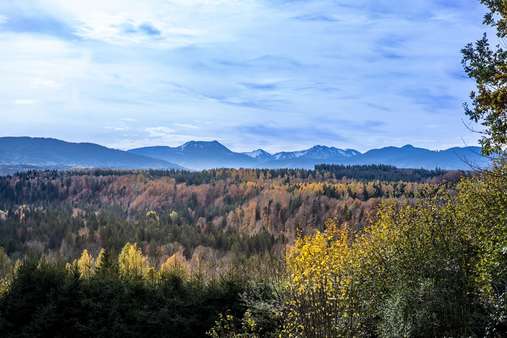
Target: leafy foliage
{"type": "Point", "coordinates": [433, 268]}
{"type": "Point", "coordinates": [488, 67]}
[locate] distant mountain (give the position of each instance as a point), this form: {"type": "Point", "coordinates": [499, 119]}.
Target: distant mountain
{"type": "Point", "coordinates": [202, 155]}
{"type": "Point", "coordinates": [260, 155]}
{"type": "Point", "coordinates": [322, 153]}
{"type": "Point", "coordinates": [310, 157]}
{"type": "Point", "coordinates": [26, 152]}
{"type": "Point", "coordinates": [199, 155]}
{"type": "Point", "coordinates": [412, 157]}
{"type": "Point", "coordinates": [53, 153]}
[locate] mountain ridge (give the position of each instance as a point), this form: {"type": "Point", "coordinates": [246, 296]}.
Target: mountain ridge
{"type": "Point", "coordinates": [51, 152]}
{"type": "Point", "coordinates": [197, 155]}
{"type": "Point", "coordinates": [406, 156]}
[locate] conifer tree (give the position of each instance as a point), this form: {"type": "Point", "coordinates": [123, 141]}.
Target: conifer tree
{"type": "Point", "coordinates": [131, 262]}
{"type": "Point", "coordinates": [86, 265]}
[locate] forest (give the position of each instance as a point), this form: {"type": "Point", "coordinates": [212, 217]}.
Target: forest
{"type": "Point", "coordinates": [253, 253]}
{"type": "Point", "coordinates": [213, 252]}
{"type": "Point", "coordinates": [220, 213]}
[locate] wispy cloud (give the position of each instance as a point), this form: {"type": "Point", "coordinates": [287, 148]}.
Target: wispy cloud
{"type": "Point", "coordinates": [144, 28]}
{"type": "Point", "coordinates": [317, 18]}
{"type": "Point", "coordinates": [260, 85]}
{"type": "Point", "coordinates": [433, 100]}
{"type": "Point", "coordinates": [24, 102]}
{"type": "Point", "coordinates": [298, 134]}
{"type": "Point", "coordinates": [186, 126]}
{"type": "Point", "coordinates": [272, 73]}
{"type": "Point", "coordinates": [36, 24]}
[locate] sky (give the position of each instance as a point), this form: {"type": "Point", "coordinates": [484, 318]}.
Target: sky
{"type": "Point", "coordinates": [271, 74]}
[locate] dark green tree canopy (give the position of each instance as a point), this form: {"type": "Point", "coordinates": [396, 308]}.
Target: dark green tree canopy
{"type": "Point", "coordinates": [487, 65]}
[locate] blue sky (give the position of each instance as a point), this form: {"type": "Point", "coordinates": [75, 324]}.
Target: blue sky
{"type": "Point", "coordinates": [272, 74]}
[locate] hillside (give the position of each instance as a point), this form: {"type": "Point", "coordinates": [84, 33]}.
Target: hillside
{"type": "Point", "coordinates": [53, 153]}
{"type": "Point", "coordinates": [245, 211]}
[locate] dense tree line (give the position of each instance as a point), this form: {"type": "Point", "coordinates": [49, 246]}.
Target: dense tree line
{"type": "Point", "coordinates": [386, 173]}
{"type": "Point", "coordinates": [241, 212]}
{"type": "Point", "coordinates": [106, 297]}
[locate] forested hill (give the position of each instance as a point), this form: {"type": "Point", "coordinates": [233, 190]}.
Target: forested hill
{"type": "Point", "coordinates": [218, 211]}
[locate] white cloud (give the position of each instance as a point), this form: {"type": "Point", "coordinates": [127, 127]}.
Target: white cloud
{"type": "Point", "coordinates": [25, 102]}
{"type": "Point", "coordinates": [117, 128]}
{"type": "Point", "coordinates": [160, 131]}
{"type": "Point", "coordinates": [238, 63]}
{"type": "Point", "coordinates": [45, 83]}
{"type": "Point", "coordinates": [186, 126]}
{"type": "Point", "coordinates": [177, 23]}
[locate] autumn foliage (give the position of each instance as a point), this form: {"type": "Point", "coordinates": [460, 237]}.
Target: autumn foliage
{"type": "Point", "coordinates": [434, 268]}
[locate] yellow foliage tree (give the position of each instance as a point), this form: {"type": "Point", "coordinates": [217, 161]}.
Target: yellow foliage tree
{"type": "Point", "coordinates": [86, 265]}
{"type": "Point", "coordinates": [322, 283]}
{"type": "Point", "coordinates": [99, 262]}
{"type": "Point", "coordinates": [132, 263]}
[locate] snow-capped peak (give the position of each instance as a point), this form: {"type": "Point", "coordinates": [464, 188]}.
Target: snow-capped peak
{"type": "Point", "coordinates": [317, 152]}
{"type": "Point", "coordinates": [258, 154]}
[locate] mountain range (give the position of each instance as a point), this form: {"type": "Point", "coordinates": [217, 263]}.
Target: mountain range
{"type": "Point", "coordinates": [201, 155]}
{"type": "Point", "coordinates": [196, 155]}
{"type": "Point", "coordinates": [53, 153]}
